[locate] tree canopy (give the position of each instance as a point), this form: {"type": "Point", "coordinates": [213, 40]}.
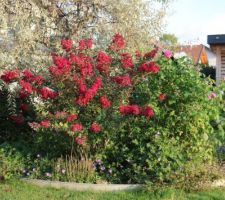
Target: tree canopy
{"type": "Point", "coordinates": [30, 29]}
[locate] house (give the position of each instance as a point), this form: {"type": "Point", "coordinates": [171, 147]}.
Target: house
{"type": "Point", "coordinates": [217, 44]}
{"type": "Point", "coordinates": [200, 54]}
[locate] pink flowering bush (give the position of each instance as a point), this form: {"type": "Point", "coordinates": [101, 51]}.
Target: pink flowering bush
{"type": "Point", "coordinates": [145, 116]}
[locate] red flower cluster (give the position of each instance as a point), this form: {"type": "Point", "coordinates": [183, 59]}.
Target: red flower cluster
{"type": "Point", "coordinates": [60, 61]}
{"type": "Point", "coordinates": [45, 123]}
{"type": "Point", "coordinates": [151, 54]}
{"type": "Point", "coordinates": [63, 66]}
{"type": "Point", "coordinates": [26, 87]}
{"type": "Point", "coordinates": [71, 117]}
{"type": "Point", "coordinates": [103, 62]}
{"type": "Point", "coordinates": [95, 127]}
{"type": "Point", "coordinates": [126, 60]}
{"type": "Point", "coordinates": [60, 114]}
{"type": "Point", "coordinates": [81, 140]}
{"type": "Point", "coordinates": [81, 84]}
{"type": "Point", "coordinates": [48, 93]}
{"type": "Point", "coordinates": [22, 94]}
{"type": "Point", "coordinates": [118, 42]}
{"type": "Point", "coordinates": [162, 97]}
{"type": "Point", "coordinates": [9, 75]}
{"type": "Point", "coordinates": [122, 80]}
{"type": "Point", "coordinates": [105, 103]}
{"type": "Point", "coordinates": [66, 44]}
{"type": "Point", "coordinates": [138, 54]}
{"type": "Point", "coordinates": [18, 119]}
{"type": "Point", "coordinates": [34, 125]}
{"type": "Point", "coordinates": [24, 107]}
{"type": "Point", "coordinates": [83, 99]}
{"type": "Point", "coordinates": [76, 127]}
{"type": "Point", "coordinates": [28, 75]}
{"type": "Point", "coordinates": [83, 63]}
{"type": "Point", "coordinates": [148, 112]}
{"type": "Point", "coordinates": [31, 78]}
{"type": "Point", "coordinates": [85, 44]}
{"type": "Point", "coordinates": [38, 79]}
{"type": "Point", "coordinates": [149, 67]}
{"type": "Point", "coordinates": [129, 109]}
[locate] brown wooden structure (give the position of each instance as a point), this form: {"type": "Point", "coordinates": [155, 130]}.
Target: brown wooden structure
{"type": "Point", "coordinates": [217, 44]}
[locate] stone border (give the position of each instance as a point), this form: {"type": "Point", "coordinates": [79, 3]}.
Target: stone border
{"type": "Point", "coordinates": [99, 187]}
{"type": "Point", "coordinates": [218, 183]}
{"type": "Point", "coordinates": [83, 186]}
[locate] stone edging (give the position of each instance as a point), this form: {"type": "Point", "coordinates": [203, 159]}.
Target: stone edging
{"type": "Point", "coordinates": [218, 183]}
{"type": "Point", "coordinates": [83, 186]}
{"type": "Point", "coordinates": [99, 187]}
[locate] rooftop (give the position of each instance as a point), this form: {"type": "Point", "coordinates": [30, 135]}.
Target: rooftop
{"type": "Point", "coordinates": [216, 39]}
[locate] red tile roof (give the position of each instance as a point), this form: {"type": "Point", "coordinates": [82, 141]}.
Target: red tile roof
{"type": "Point", "coordinates": [193, 51]}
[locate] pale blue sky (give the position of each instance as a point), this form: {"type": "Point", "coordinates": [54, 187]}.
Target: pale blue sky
{"type": "Point", "coordinates": [193, 20]}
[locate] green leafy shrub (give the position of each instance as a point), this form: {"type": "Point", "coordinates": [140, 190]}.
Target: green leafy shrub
{"type": "Point", "coordinates": [12, 162]}
{"type": "Point", "coordinates": [180, 134]}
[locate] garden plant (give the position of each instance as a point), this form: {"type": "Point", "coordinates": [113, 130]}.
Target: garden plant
{"type": "Point", "coordinates": [143, 118]}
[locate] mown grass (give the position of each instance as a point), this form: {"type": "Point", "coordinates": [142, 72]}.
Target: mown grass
{"type": "Point", "coordinates": [16, 190]}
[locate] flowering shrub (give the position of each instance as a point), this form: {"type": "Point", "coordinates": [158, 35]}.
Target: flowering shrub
{"type": "Point", "coordinates": [144, 116]}
{"type": "Point", "coordinates": [176, 133]}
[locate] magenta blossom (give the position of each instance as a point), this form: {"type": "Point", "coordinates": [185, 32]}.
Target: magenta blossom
{"type": "Point", "coordinates": [212, 95]}
{"type": "Point", "coordinates": [167, 53]}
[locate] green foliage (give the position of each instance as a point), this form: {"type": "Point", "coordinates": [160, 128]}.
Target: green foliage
{"type": "Point", "coordinates": [9, 106]}
{"type": "Point", "coordinates": [169, 40]}
{"type": "Point", "coordinates": [12, 162]}
{"type": "Point", "coordinates": [179, 136]}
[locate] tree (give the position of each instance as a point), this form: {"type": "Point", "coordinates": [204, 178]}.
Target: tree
{"type": "Point", "coordinates": [29, 26]}
{"type": "Point", "coordinates": [169, 39]}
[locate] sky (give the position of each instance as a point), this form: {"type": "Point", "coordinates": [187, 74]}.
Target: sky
{"type": "Point", "coordinates": [192, 20]}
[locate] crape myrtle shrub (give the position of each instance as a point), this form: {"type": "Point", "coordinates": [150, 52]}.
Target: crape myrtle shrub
{"type": "Point", "coordinates": [141, 118]}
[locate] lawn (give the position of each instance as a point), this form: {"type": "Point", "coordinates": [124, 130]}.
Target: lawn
{"type": "Point", "coordinates": [15, 190]}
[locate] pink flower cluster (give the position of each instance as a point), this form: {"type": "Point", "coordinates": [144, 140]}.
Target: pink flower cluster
{"type": "Point", "coordinates": [95, 127]}
{"type": "Point", "coordinates": [81, 140]}
{"type": "Point", "coordinates": [45, 123]}
{"type": "Point", "coordinates": [167, 53]}
{"type": "Point", "coordinates": [76, 127]}
{"type": "Point", "coordinates": [212, 95]}
{"type": "Point", "coordinates": [71, 117]}
{"type": "Point", "coordinates": [162, 96]}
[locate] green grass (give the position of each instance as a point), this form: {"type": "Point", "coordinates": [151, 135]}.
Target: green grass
{"type": "Point", "coordinates": [15, 190]}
